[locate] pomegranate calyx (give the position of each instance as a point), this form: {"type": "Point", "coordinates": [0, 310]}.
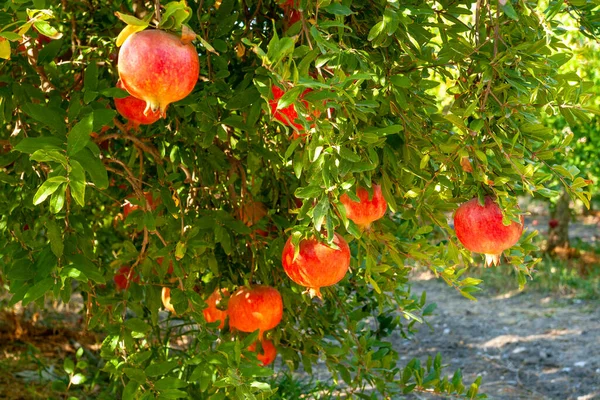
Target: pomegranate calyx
{"type": "Point", "coordinates": [492, 259]}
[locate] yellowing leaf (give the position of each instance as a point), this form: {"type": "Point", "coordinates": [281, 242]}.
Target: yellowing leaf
{"type": "Point", "coordinates": [128, 31]}
{"type": "Point", "coordinates": [4, 48]}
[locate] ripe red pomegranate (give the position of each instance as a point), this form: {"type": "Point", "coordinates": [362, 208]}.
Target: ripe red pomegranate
{"type": "Point", "coordinates": [292, 14]}
{"type": "Point", "coordinates": [480, 229]}
{"type": "Point", "coordinates": [212, 313]}
{"type": "Point", "coordinates": [269, 352]}
{"type": "Point", "coordinates": [157, 67]}
{"type": "Point", "coordinates": [133, 109]}
{"type": "Point", "coordinates": [367, 210]}
{"type": "Point", "coordinates": [553, 223]}
{"type": "Point", "coordinates": [129, 207]}
{"type": "Point", "coordinates": [258, 307]}
{"type": "Point", "coordinates": [166, 299]}
{"type": "Point", "coordinates": [316, 265]}
{"type": "Point", "coordinates": [124, 276]}
{"type": "Point", "coordinates": [287, 115]}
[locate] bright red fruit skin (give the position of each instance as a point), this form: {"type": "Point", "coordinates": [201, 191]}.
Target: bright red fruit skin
{"type": "Point", "coordinates": [287, 115]}
{"type": "Point", "coordinates": [258, 307]}
{"type": "Point", "coordinates": [480, 229]}
{"type": "Point", "coordinates": [212, 313]}
{"type": "Point", "coordinates": [367, 210]}
{"type": "Point", "coordinates": [156, 67]}
{"type": "Point", "coordinates": [129, 207]}
{"type": "Point", "coordinates": [269, 352]}
{"type": "Point", "coordinates": [316, 265]}
{"type": "Point", "coordinates": [133, 109]}
{"type": "Point", "coordinates": [124, 277]}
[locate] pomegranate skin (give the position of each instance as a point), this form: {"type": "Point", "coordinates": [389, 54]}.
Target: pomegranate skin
{"type": "Point", "coordinates": [316, 265]}
{"type": "Point", "coordinates": [288, 115]}
{"type": "Point", "coordinates": [269, 352]}
{"type": "Point", "coordinates": [480, 229]}
{"type": "Point", "coordinates": [132, 109]}
{"type": "Point", "coordinates": [212, 313]}
{"type": "Point", "coordinates": [258, 307]}
{"type": "Point", "coordinates": [156, 67]}
{"type": "Point", "coordinates": [365, 211]}
{"type": "Point", "coordinates": [124, 277]}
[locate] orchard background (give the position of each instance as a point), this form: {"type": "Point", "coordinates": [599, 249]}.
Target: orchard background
{"type": "Point", "coordinates": [435, 102]}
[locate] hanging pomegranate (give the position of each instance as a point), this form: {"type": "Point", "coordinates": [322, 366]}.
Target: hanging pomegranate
{"type": "Point", "coordinates": [316, 265]}
{"type": "Point", "coordinates": [158, 68]}
{"type": "Point", "coordinates": [366, 210]}
{"type": "Point", "coordinates": [480, 229]}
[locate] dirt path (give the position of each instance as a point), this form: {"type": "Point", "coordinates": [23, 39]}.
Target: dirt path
{"type": "Point", "coordinates": [525, 345]}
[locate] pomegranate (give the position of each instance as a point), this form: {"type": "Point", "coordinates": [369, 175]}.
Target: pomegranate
{"type": "Point", "coordinates": [133, 109]}
{"type": "Point", "coordinates": [124, 276]}
{"type": "Point", "coordinates": [257, 307]}
{"type": "Point", "coordinates": [158, 68]}
{"type": "Point", "coordinates": [367, 210]}
{"type": "Point", "coordinates": [480, 229]}
{"type": "Point", "coordinates": [212, 313]}
{"type": "Point", "coordinates": [316, 265]}
{"type": "Point", "coordinates": [269, 353]}
{"type": "Point", "coordinates": [287, 115]}
{"type": "Point", "coordinates": [166, 299]}
{"type": "Point", "coordinates": [128, 207]}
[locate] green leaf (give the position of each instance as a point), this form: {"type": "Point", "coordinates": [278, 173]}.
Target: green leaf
{"type": "Point", "coordinates": [131, 20]}
{"type": "Point", "coordinates": [38, 290]}
{"type": "Point", "coordinates": [376, 30]}
{"type": "Point", "coordinates": [130, 390]}
{"type": "Point", "coordinates": [44, 155]}
{"type": "Point", "coordinates": [77, 182]}
{"type": "Point", "coordinates": [170, 383]}
{"type": "Point", "coordinates": [90, 80]}
{"type": "Point", "coordinates": [79, 136]}
{"type": "Point", "coordinates": [94, 167]}
{"type": "Point", "coordinates": [320, 211]}
{"type": "Point", "coordinates": [88, 268]}
{"type": "Point", "coordinates": [69, 366]}
{"type": "Point", "coordinates": [54, 234]}
{"type": "Point", "coordinates": [137, 325]}
{"type": "Point", "coordinates": [161, 368]}
{"type": "Point", "coordinates": [51, 117]}
{"type": "Point", "coordinates": [338, 9]}
{"type": "Point", "coordinates": [33, 144]}
{"type": "Point", "coordinates": [509, 11]}
{"type": "Point", "coordinates": [135, 374]}
{"type": "Point", "coordinates": [48, 188]}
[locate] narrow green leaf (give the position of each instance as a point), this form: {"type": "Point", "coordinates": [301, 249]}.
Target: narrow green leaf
{"type": "Point", "coordinates": [54, 234]}
{"type": "Point", "coordinates": [80, 135]}
{"type": "Point", "coordinates": [77, 182]}
{"type": "Point", "coordinates": [48, 188]}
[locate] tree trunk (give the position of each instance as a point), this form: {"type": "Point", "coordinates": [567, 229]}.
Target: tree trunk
{"type": "Point", "coordinates": [558, 230]}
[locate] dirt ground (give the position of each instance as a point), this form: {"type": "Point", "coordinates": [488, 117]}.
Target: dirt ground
{"type": "Point", "coordinates": [525, 345]}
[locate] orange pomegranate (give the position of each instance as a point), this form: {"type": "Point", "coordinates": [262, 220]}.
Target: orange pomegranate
{"type": "Point", "coordinates": [128, 207]}
{"type": "Point", "coordinates": [257, 307]}
{"type": "Point", "coordinates": [480, 229]}
{"type": "Point", "coordinates": [158, 68]}
{"type": "Point", "coordinates": [367, 210]}
{"type": "Point", "coordinates": [269, 352]}
{"type": "Point", "coordinates": [212, 313]}
{"type": "Point", "coordinates": [316, 265]}
{"type": "Point", "coordinates": [124, 276]}
{"type": "Point", "coordinates": [133, 109]}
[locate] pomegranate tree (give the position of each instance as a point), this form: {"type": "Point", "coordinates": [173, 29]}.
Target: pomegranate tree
{"type": "Point", "coordinates": [316, 265]}
{"type": "Point", "coordinates": [367, 209]}
{"type": "Point", "coordinates": [269, 352]}
{"type": "Point", "coordinates": [133, 108]}
{"type": "Point", "coordinates": [480, 229]}
{"type": "Point", "coordinates": [256, 307]}
{"type": "Point", "coordinates": [158, 68]}
{"type": "Point", "coordinates": [212, 313]}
